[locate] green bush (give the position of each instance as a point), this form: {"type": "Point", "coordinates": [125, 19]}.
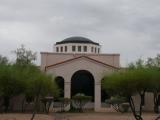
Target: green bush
{"type": "Point", "coordinates": [80, 100]}
{"type": "Point", "coordinates": [118, 103]}
{"type": "Point", "coordinates": [125, 107]}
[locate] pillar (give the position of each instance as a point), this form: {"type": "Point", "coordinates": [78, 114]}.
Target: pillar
{"type": "Point", "coordinates": [67, 89]}
{"type": "Point", "coordinates": [97, 104]}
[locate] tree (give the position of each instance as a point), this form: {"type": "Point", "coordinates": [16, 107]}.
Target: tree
{"type": "Point", "coordinates": [23, 77]}
{"type": "Point", "coordinates": [137, 65]}
{"type": "Point", "coordinates": [128, 83]}
{"type": "Point", "coordinates": [39, 86]}
{"type": "Point", "coordinates": [10, 83]}
{"type": "Point", "coordinates": [3, 60]}
{"type": "Point", "coordinates": [24, 56]}
{"type": "Point", "coordinates": [154, 64]}
{"type": "Point", "coordinates": [155, 88]}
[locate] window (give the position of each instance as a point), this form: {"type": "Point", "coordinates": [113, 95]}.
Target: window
{"type": "Point", "coordinates": [61, 49]}
{"type": "Point", "coordinates": [95, 50]}
{"type": "Point", "coordinates": [57, 49]}
{"type": "Point", "coordinates": [65, 48]}
{"type": "Point", "coordinates": [85, 48]}
{"type": "Point", "coordinates": [79, 48]}
{"type": "Point", "coordinates": [98, 50]}
{"type": "Point", "coordinates": [92, 49]}
{"type": "Point", "coordinates": [73, 48]}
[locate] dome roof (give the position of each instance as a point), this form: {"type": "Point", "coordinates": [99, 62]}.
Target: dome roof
{"type": "Point", "coordinates": [77, 39]}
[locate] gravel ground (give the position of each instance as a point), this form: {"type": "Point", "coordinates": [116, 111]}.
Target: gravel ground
{"type": "Point", "coordinates": [24, 117]}
{"type": "Point", "coordinates": [77, 116]}
{"type": "Point", "coordinates": [108, 116]}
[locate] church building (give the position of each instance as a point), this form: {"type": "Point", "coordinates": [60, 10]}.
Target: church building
{"type": "Point", "coordinates": [78, 65]}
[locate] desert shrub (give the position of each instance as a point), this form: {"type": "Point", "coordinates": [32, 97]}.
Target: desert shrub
{"type": "Point", "coordinates": [80, 101]}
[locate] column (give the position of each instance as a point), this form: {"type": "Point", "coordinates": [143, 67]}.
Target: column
{"type": "Point", "coordinates": [97, 104]}
{"type": "Point", "coordinates": [67, 93]}
{"type": "Point", "coordinates": [67, 89]}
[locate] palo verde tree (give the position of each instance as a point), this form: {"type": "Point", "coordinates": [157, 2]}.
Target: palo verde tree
{"type": "Point", "coordinates": [154, 64]}
{"type": "Point", "coordinates": [10, 84]}
{"type": "Point", "coordinates": [3, 60]}
{"type": "Point", "coordinates": [38, 84]}
{"type": "Point", "coordinates": [128, 83]}
{"type": "Point", "coordinates": [24, 56]}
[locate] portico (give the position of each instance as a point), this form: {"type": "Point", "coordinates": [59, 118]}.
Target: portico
{"type": "Point", "coordinates": [89, 68]}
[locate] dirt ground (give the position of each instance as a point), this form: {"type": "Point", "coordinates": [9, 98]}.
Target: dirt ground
{"type": "Point", "coordinates": [24, 117]}
{"type": "Point", "coordinates": [77, 116]}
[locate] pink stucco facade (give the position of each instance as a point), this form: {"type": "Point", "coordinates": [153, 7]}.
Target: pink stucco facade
{"type": "Point", "coordinates": [66, 64]}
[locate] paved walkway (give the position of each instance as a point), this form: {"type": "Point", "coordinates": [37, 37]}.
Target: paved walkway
{"type": "Point", "coordinates": [77, 116]}
{"type": "Point", "coordinates": [104, 116]}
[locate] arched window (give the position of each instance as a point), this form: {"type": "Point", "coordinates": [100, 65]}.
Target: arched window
{"type": "Point", "coordinates": [60, 83]}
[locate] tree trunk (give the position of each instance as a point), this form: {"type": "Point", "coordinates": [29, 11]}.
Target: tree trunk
{"type": "Point", "coordinates": [156, 102]}
{"type": "Point", "coordinates": [23, 103]}
{"type": "Point", "coordinates": [35, 107]}
{"type": "Point", "coordinates": [132, 106]}
{"type": "Point", "coordinates": [142, 102]}
{"type": "Point", "coordinates": [36, 103]}
{"type": "Point", "coordinates": [6, 103]}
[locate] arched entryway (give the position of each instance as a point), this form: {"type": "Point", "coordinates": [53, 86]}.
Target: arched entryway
{"type": "Point", "coordinates": [82, 81]}
{"type": "Point", "coordinates": [60, 83]}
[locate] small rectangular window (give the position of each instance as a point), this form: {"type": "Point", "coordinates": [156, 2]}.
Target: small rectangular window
{"type": "Point", "coordinates": [57, 49]}
{"type": "Point", "coordinates": [73, 48]}
{"type": "Point", "coordinates": [92, 49]}
{"type": "Point", "coordinates": [61, 49]}
{"type": "Point", "coordinates": [98, 50]}
{"type": "Point", "coordinates": [95, 50]}
{"type": "Point", "coordinates": [65, 48]}
{"type": "Point", "coordinates": [79, 48]}
{"type": "Point", "coordinates": [85, 48]}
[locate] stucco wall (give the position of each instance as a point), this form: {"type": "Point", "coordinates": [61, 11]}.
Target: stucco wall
{"type": "Point", "coordinates": [149, 103]}
{"type": "Point", "coordinates": [64, 65]}
{"type": "Point", "coordinates": [48, 59]}
{"type": "Point", "coordinates": [69, 68]}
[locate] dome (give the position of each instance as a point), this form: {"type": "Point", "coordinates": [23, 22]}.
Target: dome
{"type": "Point", "coordinates": [77, 39]}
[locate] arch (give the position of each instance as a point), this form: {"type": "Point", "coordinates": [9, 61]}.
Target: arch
{"type": "Point", "coordinates": [82, 81]}
{"type": "Point", "coordinates": [60, 83]}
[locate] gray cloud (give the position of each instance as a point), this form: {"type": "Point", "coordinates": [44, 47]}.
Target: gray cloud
{"type": "Point", "coordinates": [128, 27]}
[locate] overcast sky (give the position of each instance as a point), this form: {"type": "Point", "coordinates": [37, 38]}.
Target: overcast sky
{"type": "Point", "coordinates": [128, 27]}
